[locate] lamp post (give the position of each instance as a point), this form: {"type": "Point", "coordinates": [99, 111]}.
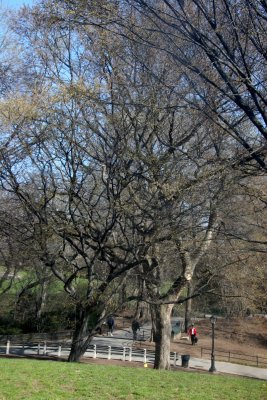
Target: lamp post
{"type": "Point", "coordinates": [213, 322]}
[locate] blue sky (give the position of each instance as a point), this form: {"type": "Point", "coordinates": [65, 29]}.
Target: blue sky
{"type": "Point", "coordinates": [15, 3]}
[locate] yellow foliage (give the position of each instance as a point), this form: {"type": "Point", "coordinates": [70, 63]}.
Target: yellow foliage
{"type": "Point", "coordinates": [29, 107]}
{"type": "Point", "coordinates": [18, 109]}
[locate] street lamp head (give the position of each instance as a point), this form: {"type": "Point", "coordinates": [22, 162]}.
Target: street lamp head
{"type": "Point", "coordinates": [213, 319]}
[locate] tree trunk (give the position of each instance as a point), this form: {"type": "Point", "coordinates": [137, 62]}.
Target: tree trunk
{"type": "Point", "coordinates": [123, 295]}
{"type": "Point", "coordinates": [81, 336]}
{"type": "Point", "coordinates": [41, 305]}
{"type": "Point", "coordinates": [162, 335]}
{"type": "Point", "coordinates": [188, 307]}
{"type": "Point", "coordinates": [143, 313]}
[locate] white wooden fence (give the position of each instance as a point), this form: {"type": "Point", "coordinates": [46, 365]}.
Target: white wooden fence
{"type": "Point", "coordinates": [94, 351]}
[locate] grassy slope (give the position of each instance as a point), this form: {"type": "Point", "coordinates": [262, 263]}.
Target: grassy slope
{"type": "Point", "coordinates": [48, 380]}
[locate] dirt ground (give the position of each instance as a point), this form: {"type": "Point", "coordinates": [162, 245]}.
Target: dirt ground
{"type": "Point", "coordinates": [244, 336]}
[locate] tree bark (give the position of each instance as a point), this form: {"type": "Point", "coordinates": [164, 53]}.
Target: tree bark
{"type": "Point", "coordinates": [81, 336]}
{"type": "Point", "coordinates": [41, 305]}
{"type": "Point", "coordinates": [188, 307]}
{"type": "Point", "coordinates": [162, 336]}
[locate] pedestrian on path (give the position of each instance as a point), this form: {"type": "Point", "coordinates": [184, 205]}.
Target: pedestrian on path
{"type": "Point", "coordinates": [110, 323]}
{"type": "Point", "coordinates": [193, 334]}
{"type": "Point", "coordinates": [135, 328]}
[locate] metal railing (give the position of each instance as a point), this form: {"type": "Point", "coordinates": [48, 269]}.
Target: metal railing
{"type": "Point", "coordinates": [238, 358]}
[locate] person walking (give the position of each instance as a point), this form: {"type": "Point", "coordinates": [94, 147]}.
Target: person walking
{"type": "Point", "coordinates": [193, 334]}
{"type": "Point", "coordinates": [110, 323]}
{"type": "Point", "coordinates": [135, 328]}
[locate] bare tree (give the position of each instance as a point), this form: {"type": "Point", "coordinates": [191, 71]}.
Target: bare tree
{"type": "Point", "coordinates": [61, 165]}
{"type": "Point", "coordinates": [112, 154]}
{"type": "Point", "coordinates": [221, 47]}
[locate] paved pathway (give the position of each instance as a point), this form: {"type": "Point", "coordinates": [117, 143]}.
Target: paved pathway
{"type": "Point", "coordinates": [229, 368]}
{"type": "Point", "coordinates": [124, 338]}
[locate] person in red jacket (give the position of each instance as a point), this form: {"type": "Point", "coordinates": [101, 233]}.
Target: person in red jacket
{"type": "Point", "coordinates": [193, 334]}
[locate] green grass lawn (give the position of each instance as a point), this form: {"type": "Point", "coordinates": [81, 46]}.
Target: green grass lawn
{"type": "Point", "coordinates": [47, 380]}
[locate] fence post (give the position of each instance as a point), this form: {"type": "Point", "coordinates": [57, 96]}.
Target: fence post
{"type": "Point", "coordinates": [59, 351]}
{"type": "Point", "coordinates": [130, 354]}
{"type": "Point", "coordinates": [7, 346]}
{"type": "Point", "coordinates": [257, 358]}
{"type": "Point", "coordinates": [174, 359]}
{"type": "Point", "coordinates": [123, 354]}
{"type": "Point", "coordinates": [109, 352]}
{"type": "Point", "coordinates": [44, 348]}
{"type": "Point", "coordinates": [94, 355]}
{"type": "Point", "coordinates": [144, 356]}
{"type": "Point", "coordinates": [229, 357]}
{"type": "Point", "coordinates": [38, 349]}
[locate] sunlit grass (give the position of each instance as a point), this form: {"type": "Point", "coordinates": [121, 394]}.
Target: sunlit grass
{"type": "Point", "coordinates": [47, 380]}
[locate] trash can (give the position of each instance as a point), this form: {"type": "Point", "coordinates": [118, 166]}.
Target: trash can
{"type": "Point", "coordinates": [185, 360]}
